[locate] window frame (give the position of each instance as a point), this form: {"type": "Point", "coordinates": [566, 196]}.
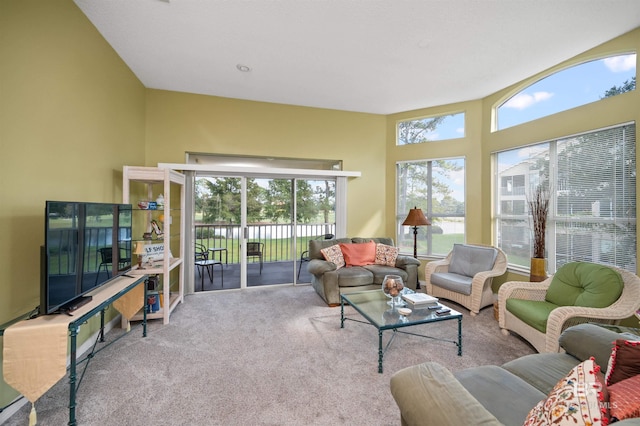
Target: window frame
{"type": "Point", "coordinates": [560, 225]}
{"type": "Point", "coordinates": [495, 112]}
{"type": "Point", "coordinates": [404, 234]}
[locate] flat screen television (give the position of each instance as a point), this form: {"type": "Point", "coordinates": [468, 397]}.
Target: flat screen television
{"type": "Point", "coordinates": [86, 245]}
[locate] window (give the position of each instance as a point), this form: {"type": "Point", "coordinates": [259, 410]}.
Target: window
{"type": "Point", "coordinates": [571, 87]}
{"type": "Point", "coordinates": [591, 180]}
{"type": "Point", "coordinates": [436, 187]}
{"type": "Point", "coordinates": [431, 129]}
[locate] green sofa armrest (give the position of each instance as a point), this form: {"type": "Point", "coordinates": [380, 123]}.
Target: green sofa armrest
{"type": "Point", "coordinates": [402, 261]}
{"type": "Point", "coordinates": [429, 394]}
{"type": "Point", "coordinates": [319, 267]}
{"type": "Point", "coordinates": [590, 340]}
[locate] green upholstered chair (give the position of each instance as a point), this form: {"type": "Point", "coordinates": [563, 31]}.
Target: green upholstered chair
{"type": "Point", "coordinates": [579, 292]}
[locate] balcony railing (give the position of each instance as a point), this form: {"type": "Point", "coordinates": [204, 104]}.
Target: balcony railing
{"type": "Point", "coordinates": [277, 238]}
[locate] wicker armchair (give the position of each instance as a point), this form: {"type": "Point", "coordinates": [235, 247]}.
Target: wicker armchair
{"type": "Point", "coordinates": [481, 293]}
{"type": "Point", "coordinates": [563, 317]}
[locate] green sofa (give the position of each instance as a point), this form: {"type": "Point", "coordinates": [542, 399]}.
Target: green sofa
{"type": "Point", "coordinates": [330, 281]}
{"type": "Point", "coordinates": [429, 394]}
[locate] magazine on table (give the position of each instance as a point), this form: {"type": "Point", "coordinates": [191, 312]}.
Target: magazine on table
{"type": "Point", "coordinates": [420, 299]}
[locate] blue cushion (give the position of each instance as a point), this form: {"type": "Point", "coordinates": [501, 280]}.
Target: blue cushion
{"type": "Point", "coordinates": [454, 282]}
{"type": "Point", "coordinates": [468, 260]}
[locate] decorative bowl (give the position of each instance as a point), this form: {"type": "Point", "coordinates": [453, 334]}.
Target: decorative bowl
{"type": "Point", "coordinates": [392, 286]}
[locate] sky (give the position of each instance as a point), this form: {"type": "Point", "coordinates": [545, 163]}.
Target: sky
{"type": "Point", "coordinates": [569, 88]}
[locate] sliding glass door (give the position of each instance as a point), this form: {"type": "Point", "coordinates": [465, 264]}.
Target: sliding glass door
{"type": "Point", "coordinates": [254, 231]}
{"type": "Point", "coordinates": [315, 212]}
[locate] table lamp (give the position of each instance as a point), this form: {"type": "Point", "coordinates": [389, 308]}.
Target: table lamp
{"type": "Point", "coordinates": [139, 251]}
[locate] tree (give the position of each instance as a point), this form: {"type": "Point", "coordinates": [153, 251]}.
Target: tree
{"type": "Point", "coordinates": [326, 197]}
{"type": "Point", "coordinates": [627, 86]}
{"type": "Point", "coordinates": [422, 182]}
{"type": "Point", "coordinates": [417, 131]}
{"type": "Point", "coordinates": [278, 205]}
{"type": "Point", "coordinates": [219, 199]}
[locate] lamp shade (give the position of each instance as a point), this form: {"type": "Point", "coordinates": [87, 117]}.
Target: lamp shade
{"type": "Point", "coordinates": [416, 218]}
{"type": "Point", "coordinates": [139, 248]}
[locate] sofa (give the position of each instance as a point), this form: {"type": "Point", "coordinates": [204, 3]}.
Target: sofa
{"type": "Point", "coordinates": [331, 278]}
{"type": "Point", "coordinates": [429, 394]}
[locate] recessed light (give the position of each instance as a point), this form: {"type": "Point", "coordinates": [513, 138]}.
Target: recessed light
{"type": "Point", "coordinates": [243, 68]}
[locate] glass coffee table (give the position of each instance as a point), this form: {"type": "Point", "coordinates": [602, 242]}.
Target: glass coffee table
{"type": "Point", "coordinates": [372, 305]}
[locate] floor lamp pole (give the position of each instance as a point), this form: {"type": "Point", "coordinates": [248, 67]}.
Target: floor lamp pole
{"type": "Point", "coordinates": [415, 242]}
{"type": "Point", "coordinates": [415, 252]}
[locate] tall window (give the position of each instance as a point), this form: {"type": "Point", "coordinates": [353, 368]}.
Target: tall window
{"type": "Point", "coordinates": [568, 88]}
{"type": "Point", "coordinates": [591, 179]}
{"type": "Point", "coordinates": [430, 129]}
{"type": "Point", "coordinates": [436, 187]}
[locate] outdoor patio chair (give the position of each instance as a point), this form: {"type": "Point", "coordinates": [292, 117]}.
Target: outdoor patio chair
{"type": "Point", "coordinates": [254, 249]}
{"type": "Point", "coordinates": [304, 257]}
{"type": "Point", "coordinates": [202, 262]}
{"type": "Point", "coordinates": [106, 261]}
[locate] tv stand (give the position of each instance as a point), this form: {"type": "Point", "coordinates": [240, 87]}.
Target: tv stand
{"type": "Point", "coordinates": [75, 304]}
{"type": "Point", "coordinates": [19, 337]}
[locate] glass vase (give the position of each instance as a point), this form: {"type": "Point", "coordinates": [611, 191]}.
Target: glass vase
{"type": "Point", "coordinates": [392, 286]}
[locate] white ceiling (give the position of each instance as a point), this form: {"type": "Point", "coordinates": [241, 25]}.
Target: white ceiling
{"type": "Point", "coordinates": [376, 56]}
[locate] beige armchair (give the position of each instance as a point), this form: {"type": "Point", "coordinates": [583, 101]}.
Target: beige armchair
{"type": "Point", "coordinates": [556, 319]}
{"type": "Point", "coordinates": [465, 275]}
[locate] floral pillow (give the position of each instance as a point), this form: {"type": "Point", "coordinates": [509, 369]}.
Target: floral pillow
{"type": "Point", "coordinates": [577, 399]}
{"type": "Point", "coordinates": [624, 398]}
{"type": "Point", "coordinates": [386, 255]}
{"type": "Point", "coordinates": [624, 361]}
{"type": "Point", "coordinates": [333, 254]}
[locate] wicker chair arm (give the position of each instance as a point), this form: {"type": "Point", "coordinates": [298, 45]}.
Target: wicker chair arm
{"type": "Point", "coordinates": [519, 290]}
{"type": "Point", "coordinates": [433, 267]}
{"type": "Point", "coordinates": [565, 316]}
{"type": "Point", "coordinates": [523, 290]}
{"type": "Point", "coordinates": [437, 266]}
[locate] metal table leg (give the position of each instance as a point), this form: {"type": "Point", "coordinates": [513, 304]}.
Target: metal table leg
{"type": "Point", "coordinates": [73, 333]}
{"type": "Point", "coordinates": [380, 351]}
{"type": "Point", "coordinates": [460, 336]}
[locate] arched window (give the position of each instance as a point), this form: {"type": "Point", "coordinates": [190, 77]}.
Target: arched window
{"type": "Point", "coordinates": [568, 88]}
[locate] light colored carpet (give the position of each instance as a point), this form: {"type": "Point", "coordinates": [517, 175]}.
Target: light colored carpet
{"type": "Point", "coordinates": [262, 356]}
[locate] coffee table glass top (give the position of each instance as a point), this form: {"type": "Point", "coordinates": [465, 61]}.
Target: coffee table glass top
{"type": "Point", "coordinates": [372, 305]}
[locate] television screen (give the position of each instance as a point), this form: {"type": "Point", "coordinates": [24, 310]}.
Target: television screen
{"type": "Point", "coordinates": [86, 245]}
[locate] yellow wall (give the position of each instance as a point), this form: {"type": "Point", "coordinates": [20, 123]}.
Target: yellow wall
{"type": "Point", "coordinates": [71, 115]}
{"type": "Point", "coordinates": [181, 122]}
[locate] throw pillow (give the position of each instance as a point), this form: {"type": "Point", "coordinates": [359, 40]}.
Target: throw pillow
{"type": "Point", "coordinates": [333, 254]}
{"type": "Point", "coordinates": [386, 255]}
{"type": "Point", "coordinates": [624, 398]}
{"type": "Point", "coordinates": [624, 361]}
{"type": "Point", "coordinates": [359, 254]}
{"type": "Point", "coordinates": [577, 399]}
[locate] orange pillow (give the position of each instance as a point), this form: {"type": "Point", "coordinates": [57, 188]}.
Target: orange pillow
{"type": "Point", "coordinates": [359, 254]}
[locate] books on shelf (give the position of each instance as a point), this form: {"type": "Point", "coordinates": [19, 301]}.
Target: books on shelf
{"type": "Point", "coordinates": [420, 299]}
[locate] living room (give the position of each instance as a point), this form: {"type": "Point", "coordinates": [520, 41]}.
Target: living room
{"type": "Point", "coordinates": [73, 114]}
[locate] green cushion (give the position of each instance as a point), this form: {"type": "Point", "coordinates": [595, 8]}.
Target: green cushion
{"type": "Point", "coordinates": [532, 312]}
{"type": "Point", "coordinates": [584, 284]}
